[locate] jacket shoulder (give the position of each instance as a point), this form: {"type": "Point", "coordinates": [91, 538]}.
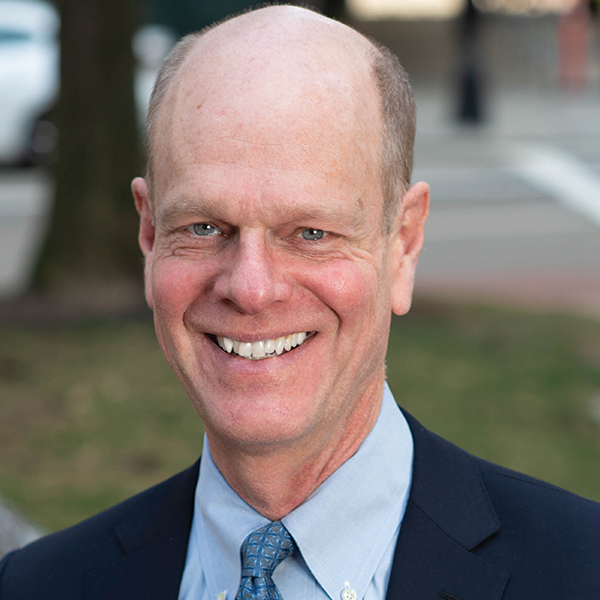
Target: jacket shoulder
{"type": "Point", "coordinates": [63, 558]}
{"type": "Point", "coordinates": [547, 534]}
{"type": "Point", "coordinates": [544, 538]}
{"type": "Point", "coordinates": [513, 491]}
{"type": "Point", "coordinates": [521, 498]}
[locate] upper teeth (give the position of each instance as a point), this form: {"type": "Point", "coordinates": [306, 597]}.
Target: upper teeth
{"type": "Point", "coordinates": [262, 348]}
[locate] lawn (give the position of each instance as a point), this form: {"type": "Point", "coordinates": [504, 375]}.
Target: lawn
{"type": "Point", "coordinates": [91, 413]}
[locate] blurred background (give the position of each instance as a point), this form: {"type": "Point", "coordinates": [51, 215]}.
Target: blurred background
{"type": "Point", "coordinates": [501, 351]}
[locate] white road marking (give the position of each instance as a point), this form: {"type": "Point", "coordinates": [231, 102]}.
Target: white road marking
{"type": "Point", "coordinates": [562, 176]}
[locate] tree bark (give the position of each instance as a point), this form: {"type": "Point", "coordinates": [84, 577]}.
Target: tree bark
{"type": "Point", "coordinates": [91, 254]}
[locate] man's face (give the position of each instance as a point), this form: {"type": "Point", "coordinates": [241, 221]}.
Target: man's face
{"type": "Point", "coordinates": [268, 232]}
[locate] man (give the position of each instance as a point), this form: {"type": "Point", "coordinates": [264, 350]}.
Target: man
{"type": "Point", "coordinates": [280, 232]}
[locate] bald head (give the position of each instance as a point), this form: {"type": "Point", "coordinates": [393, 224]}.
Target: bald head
{"type": "Point", "coordinates": [282, 72]}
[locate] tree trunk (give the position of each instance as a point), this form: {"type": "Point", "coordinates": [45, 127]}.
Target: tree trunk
{"type": "Point", "coordinates": [91, 255]}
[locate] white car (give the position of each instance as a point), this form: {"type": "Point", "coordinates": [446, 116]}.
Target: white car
{"type": "Point", "coordinates": [30, 74]}
{"type": "Point", "coordinates": [29, 78]}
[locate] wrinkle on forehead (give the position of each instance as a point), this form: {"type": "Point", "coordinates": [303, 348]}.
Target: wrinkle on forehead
{"type": "Point", "coordinates": [246, 88]}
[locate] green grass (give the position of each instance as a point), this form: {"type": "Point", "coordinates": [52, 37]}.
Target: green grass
{"type": "Point", "coordinates": [514, 388]}
{"type": "Point", "coordinates": [91, 413]}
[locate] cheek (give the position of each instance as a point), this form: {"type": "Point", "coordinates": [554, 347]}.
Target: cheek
{"type": "Point", "coordinates": [175, 285]}
{"type": "Point", "coordinates": [350, 290]}
{"type": "Point", "coordinates": [359, 295]}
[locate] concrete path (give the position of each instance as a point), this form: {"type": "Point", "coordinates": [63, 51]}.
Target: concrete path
{"type": "Point", "coordinates": [515, 203]}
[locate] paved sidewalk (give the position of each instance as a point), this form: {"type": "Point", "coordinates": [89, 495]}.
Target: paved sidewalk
{"type": "Point", "coordinates": [515, 203]}
{"type": "Point", "coordinates": [25, 203]}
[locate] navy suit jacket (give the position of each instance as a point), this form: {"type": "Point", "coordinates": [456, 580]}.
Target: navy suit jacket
{"type": "Point", "coordinates": [472, 531]}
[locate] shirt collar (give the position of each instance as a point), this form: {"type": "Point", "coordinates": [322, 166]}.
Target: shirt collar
{"type": "Point", "coordinates": [342, 530]}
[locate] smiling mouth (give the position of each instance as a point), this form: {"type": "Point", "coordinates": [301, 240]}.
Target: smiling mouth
{"type": "Point", "coordinates": [262, 348]}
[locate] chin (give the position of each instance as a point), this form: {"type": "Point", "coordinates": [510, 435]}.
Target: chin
{"type": "Point", "coordinates": [258, 423]}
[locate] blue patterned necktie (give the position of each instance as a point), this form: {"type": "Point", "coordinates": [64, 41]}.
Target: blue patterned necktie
{"type": "Point", "coordinates": [262, 551]}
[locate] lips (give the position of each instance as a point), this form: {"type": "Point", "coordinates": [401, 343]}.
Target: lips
{"type": "Point", "coordinates": [262, 348]}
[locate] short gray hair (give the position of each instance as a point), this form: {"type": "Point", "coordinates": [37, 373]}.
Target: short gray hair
{"type": "Point", "coordinates": [399, 127]}
{"type": "Point", "coordinates": [398, 107]}
{"type": "Point", "coordinates": [169, 68]}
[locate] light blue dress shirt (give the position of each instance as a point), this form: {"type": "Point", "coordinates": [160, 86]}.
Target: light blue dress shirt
{"type": "Point", "coordinates": [346, 530]}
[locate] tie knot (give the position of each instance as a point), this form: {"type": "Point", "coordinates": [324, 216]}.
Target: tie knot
{"type": "Point", "coordinates": [265, 548]}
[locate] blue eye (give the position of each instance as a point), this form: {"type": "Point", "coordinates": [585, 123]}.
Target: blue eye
{"type": "Point", "coordinates": [312, 234]}
{"type": "Point", "coordinates": [204, 229]}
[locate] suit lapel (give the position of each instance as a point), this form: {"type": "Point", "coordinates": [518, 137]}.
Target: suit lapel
{"type": "Point", "coordinates": [153, 538]}
{"type": "Point", "coordinates": [448, 515]}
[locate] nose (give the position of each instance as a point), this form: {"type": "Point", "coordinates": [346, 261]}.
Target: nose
{"type": "Point", "coordinates": [252, 279]}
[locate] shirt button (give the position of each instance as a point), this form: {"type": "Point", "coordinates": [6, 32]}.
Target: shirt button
{"type": "Point", "coordinates": [348, 594]}
{"type": "Point", "coordinates": [221, 596]}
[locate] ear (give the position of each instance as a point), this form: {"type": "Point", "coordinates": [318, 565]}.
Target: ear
{"type": "Point", "coordinates": [141, 195]}
{"type": "Point", "coordinates": [407, 241]}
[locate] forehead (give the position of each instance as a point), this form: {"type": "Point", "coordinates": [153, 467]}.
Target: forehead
{"type": "Point", "coordinates": [274, 100]}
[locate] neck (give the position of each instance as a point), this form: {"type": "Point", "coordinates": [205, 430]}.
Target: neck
{"type": "Point", "coordinates": [276, 479]}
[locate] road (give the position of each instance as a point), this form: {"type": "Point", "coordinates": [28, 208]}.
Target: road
{"type": "Point", "coordinates": [515, 212]}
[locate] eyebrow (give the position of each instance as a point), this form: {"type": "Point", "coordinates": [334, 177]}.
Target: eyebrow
{"type": "Point", "coordinates": [186, 206]}
{"type": "Point", "coordinates": [168, 209]}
